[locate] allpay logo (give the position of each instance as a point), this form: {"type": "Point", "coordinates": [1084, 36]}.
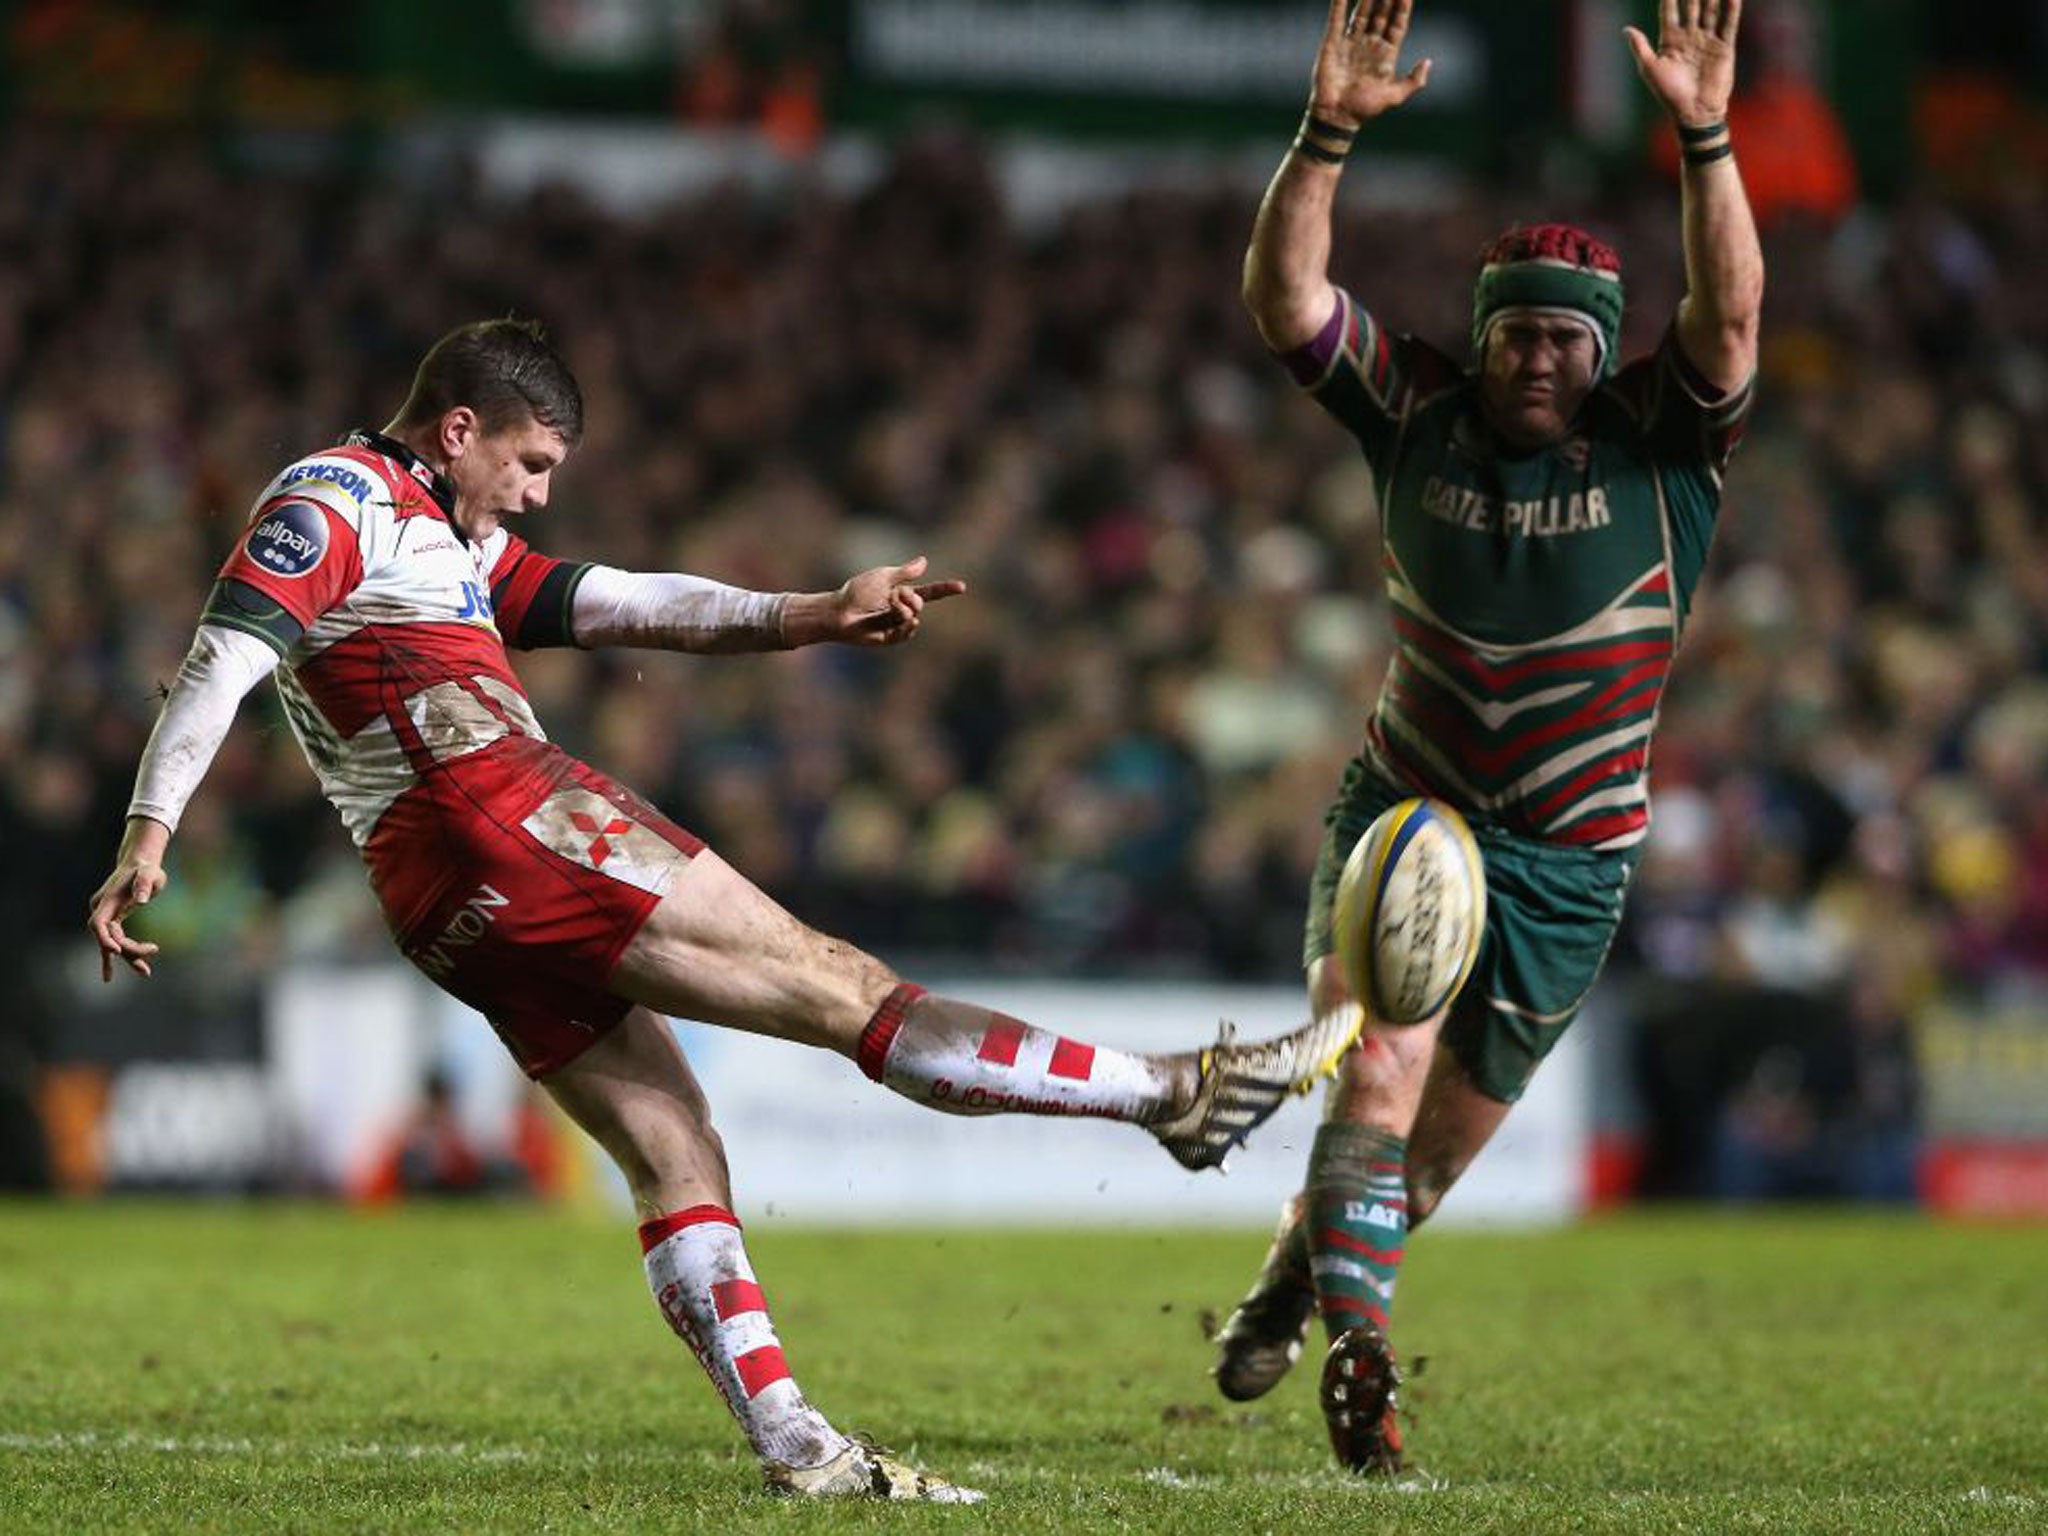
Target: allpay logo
{"type": "Point", "coordinates": [290, 540]}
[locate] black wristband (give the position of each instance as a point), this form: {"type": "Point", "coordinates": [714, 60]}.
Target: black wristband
{"type": "Point", "coordinates": [1316, 152]}
{"type": "Point", "coordinates": [1326, 130]}
{"type": "Point", "coordinates": [1324, 143]}
{"type": "Point", "coordinates": [1720, 151]}
{"type": "Point", "coordinates": [1706, 133]}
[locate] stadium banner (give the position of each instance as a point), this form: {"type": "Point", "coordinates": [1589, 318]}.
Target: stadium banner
{"type": "Point", "coordinates": [161, 1088]}
{"type": "Point", "coordinates": [347, 1047]}
{"type": "Point", "coordinates": [1207, 49]}
{"type": "Point", "coordinates": [1984, 1069]}
{"type": "Point", "coordinates": [1219, 70]}
{"type": "Point", "coordinates": [1509, 79]}
{"type": "Point", "coordinates": [811, 1140]}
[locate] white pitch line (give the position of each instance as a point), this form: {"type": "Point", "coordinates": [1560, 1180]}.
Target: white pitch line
{"type": "Point", "coordinates": [89, 1440]}
{"type": "Point", "coordinates": [129, 1442]}
{"type": "Point", "coordinates": [1320, 1480]}
{"type": "Point", "coordinates": [458, 1450]}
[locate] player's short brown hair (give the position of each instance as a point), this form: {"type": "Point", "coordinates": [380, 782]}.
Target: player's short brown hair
{"type": "Point", "coordinates": [501, 369]}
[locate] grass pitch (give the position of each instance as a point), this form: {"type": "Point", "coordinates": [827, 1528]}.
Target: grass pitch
{"type": "Point", "coordinates": [281, 1369]}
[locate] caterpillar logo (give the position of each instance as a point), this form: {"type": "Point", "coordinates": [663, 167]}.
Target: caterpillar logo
{"type": "Point", "coordinates": [1374, 1213]}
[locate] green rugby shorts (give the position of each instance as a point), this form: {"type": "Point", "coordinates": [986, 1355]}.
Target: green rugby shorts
{"type": "Point", "coordinates": [1551, 913]}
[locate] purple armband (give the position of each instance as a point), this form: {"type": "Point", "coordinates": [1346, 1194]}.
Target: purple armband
{"type": "Point", "coordinates": [1310, 362]}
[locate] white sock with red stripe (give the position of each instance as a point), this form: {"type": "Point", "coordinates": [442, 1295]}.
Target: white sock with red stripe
{"type": "Point", "coordinates": [697, 1268]}
{"type": "Point", "coordinates": [967, 1060]}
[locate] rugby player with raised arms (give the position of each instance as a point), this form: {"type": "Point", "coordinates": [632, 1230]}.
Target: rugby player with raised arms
{"type": "Point", "coordinates": [379, 581]}
{"type": "Point", "coordinates": [1545, 517]}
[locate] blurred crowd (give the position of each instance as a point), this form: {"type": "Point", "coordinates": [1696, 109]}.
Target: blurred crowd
{"type": "Point", "coordinates": [1112, 754]}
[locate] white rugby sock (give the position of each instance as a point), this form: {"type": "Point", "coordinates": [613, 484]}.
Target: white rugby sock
{"type": "Point", "coordinates": [697, 1268]}
{"type": "Point", "coordinates": [967, 1060]}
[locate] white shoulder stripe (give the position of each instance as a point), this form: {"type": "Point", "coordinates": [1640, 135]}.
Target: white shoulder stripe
{"type": "Point", "coordinates": [322, 493]}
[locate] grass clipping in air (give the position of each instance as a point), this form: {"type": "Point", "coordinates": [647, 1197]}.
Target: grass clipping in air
{"type": "Point", "coordinates": [184, 1368]}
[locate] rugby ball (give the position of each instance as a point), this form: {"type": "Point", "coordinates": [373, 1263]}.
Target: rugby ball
{"type": "Point", "coordinates": [1411, 907]}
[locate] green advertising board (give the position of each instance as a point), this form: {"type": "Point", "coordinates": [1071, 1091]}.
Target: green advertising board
{"type": "Point", "coordinates": [1210, 69]}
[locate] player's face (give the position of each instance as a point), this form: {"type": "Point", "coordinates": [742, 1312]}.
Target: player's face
{"type": "Point", "coordinates": [504, 474]}
{"type": "Point", "coordinates": [1537, 371]}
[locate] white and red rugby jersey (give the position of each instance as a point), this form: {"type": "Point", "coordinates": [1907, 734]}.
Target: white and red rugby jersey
{"type": "Point", "coordinates": [402, 664]}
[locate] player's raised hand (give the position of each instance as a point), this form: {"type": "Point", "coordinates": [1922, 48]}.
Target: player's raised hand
{"type": "Point", "coordinates": [132, 884]}
{"type": "Point", "coordinates": [884, 606]}
{"type": "Point", "coordinates": [1357, 74]}
{"type": "Point", "coordinates": [1692, 68]}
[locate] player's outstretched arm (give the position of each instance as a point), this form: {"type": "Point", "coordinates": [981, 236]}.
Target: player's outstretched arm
{"type": "Point", "coordinates": [677, 612]}
{"type": "Point", "coordinates": [1691, 72]}
{"type": "Point", "coordinates": [219, 669]}
{"type": "Point", "coordinates": [1286, 270]}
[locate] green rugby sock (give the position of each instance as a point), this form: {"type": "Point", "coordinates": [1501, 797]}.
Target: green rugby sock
{"type": "Point", "coordinates": [1357, 1200]}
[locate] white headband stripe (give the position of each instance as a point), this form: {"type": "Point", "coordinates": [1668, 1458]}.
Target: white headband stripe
{"type": "Point", "coordinates": [1550, 312]}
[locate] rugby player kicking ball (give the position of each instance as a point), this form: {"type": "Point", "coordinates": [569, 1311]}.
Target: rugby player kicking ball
{"type": "Point", "coordinates": [379, 581]}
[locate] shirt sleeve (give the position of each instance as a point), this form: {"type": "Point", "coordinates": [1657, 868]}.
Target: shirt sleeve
{"type": "Point", "coordinates": [1367, 378]}
{"type": "Point", "coordinates": [674, 611]}
{"type": "Point", "coordinates": [298, 551]}
{"type": "Point", "coordinates": [1690, 423]}
{"type": "Point", "coordinates": [1692, 430]}
{"type": "Point", "coordinates": [533, 596]}
{"type": "Point", "coordinates": [221, 667]}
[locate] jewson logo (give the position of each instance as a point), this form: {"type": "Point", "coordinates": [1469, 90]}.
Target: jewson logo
{"type": "Point", "coordinates": [476, 603]}
{"type": "Point", "coordinates": [290, 540]}
{"type": "Point", "coordinates": [352, 481]}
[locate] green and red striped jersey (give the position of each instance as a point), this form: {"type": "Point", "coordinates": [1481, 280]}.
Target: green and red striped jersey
{"type": "Point", "coordinates": [1538, 598]}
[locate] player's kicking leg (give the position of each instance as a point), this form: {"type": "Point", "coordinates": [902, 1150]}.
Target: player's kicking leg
{"type": "Point", "coordinates": [1340, 1242]}
{"type": "Point", "coordinates": [719, 950]}
{"type": "Point", "coordinates": [634, 1093]}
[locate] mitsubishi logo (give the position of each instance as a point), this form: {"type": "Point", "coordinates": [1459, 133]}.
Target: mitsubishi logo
{"type": "Point", "coordinates": [600, 849]}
